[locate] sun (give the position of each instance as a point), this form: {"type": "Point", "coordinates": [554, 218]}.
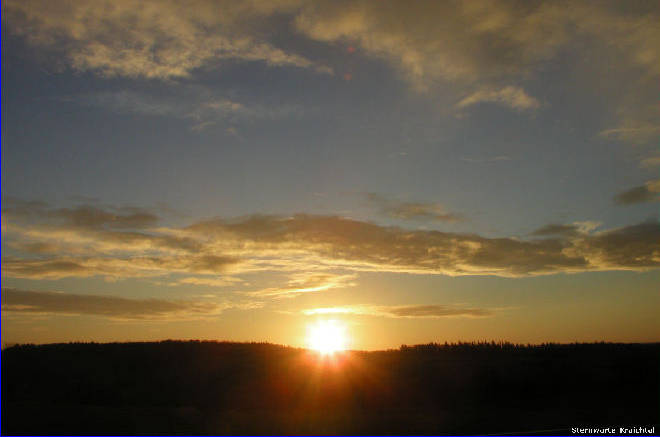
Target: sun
{"type": "Point", "coordinates": [327, 336]}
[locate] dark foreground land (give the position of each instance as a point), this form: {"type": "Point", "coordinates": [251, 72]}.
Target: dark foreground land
{"type": "Point", "coordinates": [235, 388]}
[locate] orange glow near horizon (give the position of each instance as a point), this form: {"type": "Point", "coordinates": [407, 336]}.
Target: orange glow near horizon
{"type": "Point", "coordinates": [327, 337]}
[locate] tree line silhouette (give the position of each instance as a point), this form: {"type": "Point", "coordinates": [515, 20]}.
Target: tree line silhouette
{"type": "Point", "coordinates": [207, 387]}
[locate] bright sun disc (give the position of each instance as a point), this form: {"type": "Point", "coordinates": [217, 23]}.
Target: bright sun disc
{"type": "Point", "coordinates": [327, 337]}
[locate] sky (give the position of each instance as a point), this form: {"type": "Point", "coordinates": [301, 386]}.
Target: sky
{"type": "Point", "coordinates": [416, 171]}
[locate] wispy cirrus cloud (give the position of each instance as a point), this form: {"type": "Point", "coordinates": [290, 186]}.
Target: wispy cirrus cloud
{"type": "Point", "coordinates": [639, 119]}
{"type": "Point", "coordinates": [200, 106]}
{"type": "Point", "coordinates": [510, 96]}
{"type": "Point", "coordinates": [212, 281]}
{"type": "Point", "coordinates": [308, 283]}
{"type": "Point", "coordinates": [402, 311]}
{"type": "Point", "coordinates": [633, 131]}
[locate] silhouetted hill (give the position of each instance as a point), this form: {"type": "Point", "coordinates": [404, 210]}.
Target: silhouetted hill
{"type": "Point", "coordinates": [194, 387]}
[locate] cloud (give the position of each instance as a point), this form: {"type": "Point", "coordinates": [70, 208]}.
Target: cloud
{"type": "Point", "coordinates": [93, 241]}
{"type": "Point", "coordinates": [83, 216]}
{"type": "Point", "coordinates": [483, 41]}
{"type": "Point", "coordinates": [87, 229]}
{"type": "Point", "coordinates": [411, 210]}
{"type": "Point", "coordinates": [42, 269]}
{"type": "Point", "coordinates": [513, 97]}
{"type": "Point", "coordinates": [308, 283]}
{"type": "Point", "coordinates": [436, 311]}
{"type": "Point", "coordinates": [556, 229]}
{"type": "Point", "coordinates": [199, 105]}
{"type": "Point", "coordinates": [403, 311]}
{"type": "Point", "coordinates": [638, 133]}
{"type": "Point", "coordinates": [565, 230]}
{"type": "Point", "coordinates": [161, 39]}
{"type": "Point", "coordinates": [113, 268]}
{"type": "Point", "coordinates": [631, 247]}
{"type": "Point", "coordinates": [486, 51]}
{"type": "Point", "coordinates": [649, 192]}
{"type": "Point", "coordinates": [339, 242]}
{"type": "Point", "coordinates": [310, 249]}
{"type": "Point", "coordinates": [45, 302]}
{"type": "Point", "coordinates": [639, 116]}
{"type": "Point", "coordinates": [429, 40]}
{"type": "Point", "coordinates": [640, 194]}
{"type": "Point", "coordinates": [466, 42]}
{"type": "Point", "coordinates": [209, 281]}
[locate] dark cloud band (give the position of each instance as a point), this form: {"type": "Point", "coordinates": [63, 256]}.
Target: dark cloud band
{"type": "Point", "coordinates": [22, 301]}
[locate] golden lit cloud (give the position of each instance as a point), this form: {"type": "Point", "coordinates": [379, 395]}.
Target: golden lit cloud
{"type": "Point", "coordinates": [308, 283]}
{"type": "Point", "coordinates": [111, 267]}
{"type": "Point", "coordinates": [481, 40]}
{"type": "Point", "coordinates": [487, 50]}
{"type": "Point", "coordinates": [309, 247]}
{"type": "Point", "coordinates": [213, 281]}
{"type": "Point", "coordinates": [152, 39]}
{"type": "Point", "coordinates": [513, 97]}
{"type": "Point", "coordinates": [341, 242]}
